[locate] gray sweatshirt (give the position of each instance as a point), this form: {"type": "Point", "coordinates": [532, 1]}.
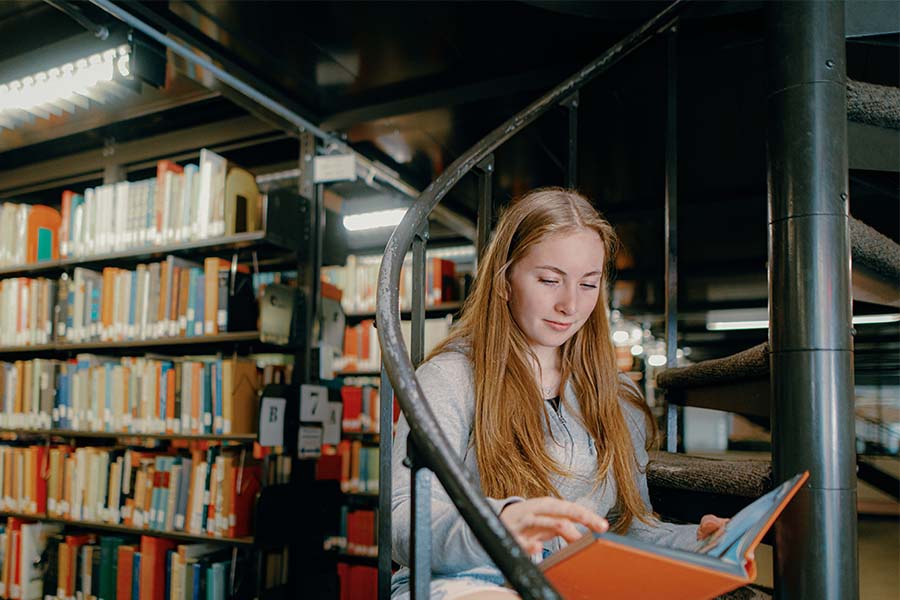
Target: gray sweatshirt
{"type": "Point", "coordinates": [447, 381]}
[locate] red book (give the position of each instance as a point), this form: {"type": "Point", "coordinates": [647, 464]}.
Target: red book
{"type": "Point", "coordinates": [352, 399]}
{"type": "Point", "coordinates": [247, 484]}
{"type": "Point", "coordinates": [123, 573]}
{"type": "Point", "coordinates": [41, 467]}
{"type": "Point", "coordinates": [153, 567]}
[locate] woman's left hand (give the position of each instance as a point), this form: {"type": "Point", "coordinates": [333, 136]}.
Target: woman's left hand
{"type": "Point", "coordinates": [711, 529]}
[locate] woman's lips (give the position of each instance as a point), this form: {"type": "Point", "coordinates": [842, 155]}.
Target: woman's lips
{"type": "Point", "coordinates": [557, 325]}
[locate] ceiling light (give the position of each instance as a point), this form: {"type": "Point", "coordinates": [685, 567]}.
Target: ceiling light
{"type": "Point", "coordinates": [656, 360]}
{"type": "Point", "coordinates": [374, 220]}
{"type": "Point", "coordinates": [764, 324]}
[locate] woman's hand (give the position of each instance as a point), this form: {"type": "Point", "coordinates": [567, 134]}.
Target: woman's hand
{"type": "Point", "coordinates": [711, 529]}
{"type": "Point", "coordinates": [532, 522]}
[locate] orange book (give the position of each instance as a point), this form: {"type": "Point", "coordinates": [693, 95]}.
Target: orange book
{"type": "Point", "coordinates": [42, 237]}
{"type": "Point", "coordinates": [163, 167]}
{"type": "Point", "coordinates": [612, 566]}
{"type": "Point", "coordinates": [123, 572]}
{"type": "Point", "coordinates": [170, 401]}
{"type": "Point", "coordinates": [153, 566]}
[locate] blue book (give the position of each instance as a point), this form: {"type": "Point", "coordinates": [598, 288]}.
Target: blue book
{"type": "Point", "coordinates": [159, 466]}
{"type": "Point", "coordinates": [218, 416]}
{"type": "Point", "coordinates": [163, 408]}
{"type": "Point", "coordinates": [207, 398]}
{"type": "Point", "coordinates": [198, 576]}
{"type": "Point", "coordinates": [136, 576]}
{"type": "Point", "coordinates": [192, 300]}
{"type": "Point", "coordinates": [167, 592]}
{"type": "Point", "coordinates": [200, 308]}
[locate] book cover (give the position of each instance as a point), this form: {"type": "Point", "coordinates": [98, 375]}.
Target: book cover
{"type": "Point", "coordinates": [614, 566]}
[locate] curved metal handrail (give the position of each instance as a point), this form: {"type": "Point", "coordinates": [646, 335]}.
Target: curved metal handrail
{"type": "Point", "coordinates": [429, 439]}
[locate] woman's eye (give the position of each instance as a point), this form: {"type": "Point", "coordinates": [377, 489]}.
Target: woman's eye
{"type": "Point", "coordinates": [549, 281]}
{"type": "Point", "coordinates": [590, 286]}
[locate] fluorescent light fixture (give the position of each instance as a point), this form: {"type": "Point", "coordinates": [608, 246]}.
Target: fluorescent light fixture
{"type": "Point", "coordinates": [735, 325]}
{"type": "Point", "coordinates": [66, 87]}
{"type": "Point", "coordinates": [727, 325]}
{"type": "Point", "coordinates": [374, 220]}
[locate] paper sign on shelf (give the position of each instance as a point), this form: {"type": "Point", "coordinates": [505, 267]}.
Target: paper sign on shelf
{"type": "Point", "coordinates": [332, 423]}
{"type": "Point", "coordinates": [271, 421]}
{"type": "Point", "coordinates": [309, 441]}
{"type": "Point", "coordinates": [313, 399]}
{"type": "Point", "coordinates": [339, 167]}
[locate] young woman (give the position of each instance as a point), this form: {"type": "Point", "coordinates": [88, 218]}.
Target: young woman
{"type": "Point", "coordinates": [527, 392]}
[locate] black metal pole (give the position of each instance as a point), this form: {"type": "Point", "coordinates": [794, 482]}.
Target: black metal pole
{"type": "Point", "coordinates": [420, 540]}
{"type": "Point", "coordinates": [571, 106]}
{"type": "Point", "coordinates": [484, 171]}
{"type": "Point", "coordinates": [810, 300]}
{"type": "Point", "coordinates": [385, 477]}
{"type": "Point", "coordinates": [672, 229]}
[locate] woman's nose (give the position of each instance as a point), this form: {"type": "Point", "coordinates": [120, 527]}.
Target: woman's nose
{"type": "Point", "coordinates": [565, 303]}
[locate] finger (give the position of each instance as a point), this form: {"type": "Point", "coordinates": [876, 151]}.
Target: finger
{"type": "Point", "coordinates": [545, 527]}
{"type": "Point", "coordinates": [575, 512]}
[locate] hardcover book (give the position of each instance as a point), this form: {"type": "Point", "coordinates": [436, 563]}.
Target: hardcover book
{"type": "Point", "coordinates": [613, 566]}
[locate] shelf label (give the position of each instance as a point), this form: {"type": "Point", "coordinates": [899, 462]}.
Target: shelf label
{"type": "Point", "coordinates": [271, 421]}
{"type": "Point", "coordinates": [313, 399]}
{"type": "Point", "coordinates": [332, 423]}
{"type": "Point", "coordinates": [309, 441]}
{"type": "Point", "coordinates": [340, 167]}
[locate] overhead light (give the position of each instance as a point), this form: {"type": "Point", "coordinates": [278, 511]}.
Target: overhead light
{"type": "Point", "coordinates": [379, 219]}
{"type": "Point", "coordinates": [764, 324]}
{"type": "Point", "coordinates": [75, 72]}
{"type": "Point", "coordinates": [656, 360]}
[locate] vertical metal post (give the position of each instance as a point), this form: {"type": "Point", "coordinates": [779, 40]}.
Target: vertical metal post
{"type": "Point", "coordinates": [309, 264]}
{"type": "Point", "coordinates": [672, 229]}
{"type": "Point", "coordinates": [810, 300]}
{"type": "Point", "coordinates": [484, 171]}
{"type": "Point", "coordinates": [385, 451]}
{"type": "Point", "coordinates": [420, 540]}
{"type": "Point", "coordinates": [571, 106]}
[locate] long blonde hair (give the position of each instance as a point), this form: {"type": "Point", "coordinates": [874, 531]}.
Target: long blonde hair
{"type": "Point", "coordinates": [509, 412]}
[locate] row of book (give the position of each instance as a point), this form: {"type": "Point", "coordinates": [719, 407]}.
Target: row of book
{"type": "Point", "coordinates": [358, 279]}
{"type": "Point", "coordinates": [353, 464]}
{"type": "Point", "coordinates": [358, 582]}
{"type": "Point", "coordinates": [209, 492]}
{"type": "Point", "coordinates": [40, 561]}
{"type": "Point", "coordinates": [193, 202]}
{"type": "Point", "coordinates": [175, 297]}
{"type": "Point", "coordinates": [361, 351]}
{"type": "Point", "coordinates": [188, 396]}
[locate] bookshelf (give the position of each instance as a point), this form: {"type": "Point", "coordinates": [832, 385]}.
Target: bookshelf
{"type": "Point", "coordinates": [282, 243]}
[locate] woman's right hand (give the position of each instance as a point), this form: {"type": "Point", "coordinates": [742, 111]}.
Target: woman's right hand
{"type": "Point", "coordinates": [534, 521]}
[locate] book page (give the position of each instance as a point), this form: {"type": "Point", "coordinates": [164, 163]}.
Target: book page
{"type": "Point", "coordinates": [742, 529]}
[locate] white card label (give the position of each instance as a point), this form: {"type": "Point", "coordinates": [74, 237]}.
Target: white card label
{"type": "Point", "coordinates": [271, 421]}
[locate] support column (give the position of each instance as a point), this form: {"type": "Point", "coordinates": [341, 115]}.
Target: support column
{"type": "Point", "coordinates": [810, 300]}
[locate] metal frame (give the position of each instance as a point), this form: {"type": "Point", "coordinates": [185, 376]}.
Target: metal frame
{"type": "Point", "coordinates": [671, 225]}
{"type": "Point", "coordinates": [431, 446]}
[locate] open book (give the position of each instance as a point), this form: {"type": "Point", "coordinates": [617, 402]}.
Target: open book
{"type": "Point", "coordinates": [613, 566]}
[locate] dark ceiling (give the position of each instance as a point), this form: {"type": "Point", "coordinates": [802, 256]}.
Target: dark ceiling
{"type": "Point", "coordinates": [414, 84]}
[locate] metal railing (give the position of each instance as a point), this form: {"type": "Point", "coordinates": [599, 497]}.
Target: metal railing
{"type": "Point", "coordinates": [428, 449]}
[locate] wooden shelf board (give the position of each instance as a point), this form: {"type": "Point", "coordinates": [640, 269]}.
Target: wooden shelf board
{"type": "Point", "coordinates": [175, 535]}
{"type": "Point", "coordinates": [239, 437]}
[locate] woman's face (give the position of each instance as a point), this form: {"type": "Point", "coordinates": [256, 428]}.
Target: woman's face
{"type": "Point", "coordinates": [555, 287]}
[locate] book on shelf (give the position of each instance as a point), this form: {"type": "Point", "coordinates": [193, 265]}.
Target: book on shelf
{"type": "Point", "coordinates": [615, 566]}
{"type": "Point", "coordinates": [353, 464]}
{"type": "Point", "coordinates": [358, 582]}
{"type": "Point", "coordinates": [132, 395]}
{"type": "Point", "coordinates": [29, 233]}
